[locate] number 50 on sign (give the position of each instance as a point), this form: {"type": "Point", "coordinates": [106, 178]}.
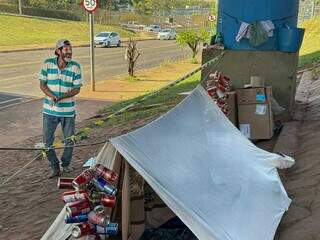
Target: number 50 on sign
{"type": "Point", "coordinates": [90, 5]}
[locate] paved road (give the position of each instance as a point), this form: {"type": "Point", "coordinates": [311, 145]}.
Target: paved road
{"type": "Point", "coordinates": [18, 71]}
{"type": "Point", "coordinates": [20, 110]}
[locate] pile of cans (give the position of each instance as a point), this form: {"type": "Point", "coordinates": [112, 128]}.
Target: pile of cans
{"type": "Point", "coordinates": [217, 87]}
{"type": "Point", "coordinates": [89, 201]}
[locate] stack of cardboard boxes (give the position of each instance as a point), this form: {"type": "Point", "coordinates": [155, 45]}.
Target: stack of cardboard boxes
{"type": "Point", "coordinates": [254, 112]}
{"type": "Point", "coordinates": [248, 108]}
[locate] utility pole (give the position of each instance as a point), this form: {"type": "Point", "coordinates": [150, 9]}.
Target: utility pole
{"type": "Point", "coordinates": [20, 7]}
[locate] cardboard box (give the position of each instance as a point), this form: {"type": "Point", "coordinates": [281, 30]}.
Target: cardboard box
{"type": "Point", "coordinates": [257, 81]}
{"type": "Point", "coordinates": [254, 95]}
{"type": "Point", "coordinates": [232, 107]}
{"type": "Point", "coordinates": [256, 120]}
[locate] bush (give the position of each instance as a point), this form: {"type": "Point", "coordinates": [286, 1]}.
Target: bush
{"type": "Point", "coordinates": [76, 15]}
{"type": "Point", "coordinates": [61, 14]}
{"type": "Point", "coordinates": [9, 8]}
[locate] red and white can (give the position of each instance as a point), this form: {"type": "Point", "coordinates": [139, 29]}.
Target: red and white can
{"type": "Point", "coordinates": [73, 196]}
{"type": "Point", "coordinates": [99, 218]}
{"type": "Point", "coordinates": [81, 230]}
{"type": "Point", "coordinates": [77, 208]}
{"type": "Point", "coordinates": [106, 173]}
{"type": "Point", "coordinates": [65, 183]}
{"type": "Point", "coordinates": [108, 201]}
{"type": "Point", "coordinates": [83, 179]}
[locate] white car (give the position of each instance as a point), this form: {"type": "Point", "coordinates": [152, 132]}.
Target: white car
{"type": "Point", "coordinates": [167, 34]}
{"type": "Point", "coordinates": [106, 39]}
{"type": "Point", "coordinates": [153, 28]}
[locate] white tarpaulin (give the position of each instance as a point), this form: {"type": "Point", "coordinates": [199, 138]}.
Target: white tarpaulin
{"type": "Point", "coordinates": [220, 184]}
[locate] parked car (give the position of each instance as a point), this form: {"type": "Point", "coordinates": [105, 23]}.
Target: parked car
{"type": "Point", "coordinates": [153, 28]}
{"type": "Point", "coordinates": [167, 34]}
{"type": "Point", "coordinates": [106, 39]}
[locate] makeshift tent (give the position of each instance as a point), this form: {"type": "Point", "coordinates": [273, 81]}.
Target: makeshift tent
{"type": "Point", "coordinates": [214, 179]}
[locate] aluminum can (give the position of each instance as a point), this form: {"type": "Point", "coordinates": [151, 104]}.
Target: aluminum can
{"type": "Point", "coordinates": [111, 229]}
{"type": "Point", "coordinates": [65, 183]}
{"type": "Point", "coordinates": [97, 218]}
{"type": "Point", "coordinates": [81, 230]}
{"type": "Point", "coordinates": [78, 208]}
{"type": "Point", "coordinates": [106, 173]}
{"type": "Point", "coordinates": [76, 219]}
{"type": "Point", "coordinates": [101, 184]}
{"type": "Point", "coordinates": [108, 201]}
{"type": "Point", "coordinates": [73, 196]}
{"type": "Point", "coordinates": [83, 179]}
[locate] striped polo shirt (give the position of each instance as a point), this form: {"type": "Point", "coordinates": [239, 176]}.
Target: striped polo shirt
{"type": "Point", "coordinates": [60, 82]}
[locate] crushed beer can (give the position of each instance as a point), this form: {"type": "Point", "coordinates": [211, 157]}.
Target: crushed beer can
{"type": "Point", "coordinates": [78, 208]}
{"type": "Point", "coordinates": [101, 184]}
{"type": "Point", "coordinates": [76, 219]}
{"type": "Point", "coordinates": [81, 230]}
{"type": "Point", "coordinates": [83, 179]}
{"type": "Point", "coordinates": [73, 196]}
{"type": "Point", "coordinates": [65, 183]}
{"type": "Point", "coordinates": [106, 173]}
{"type": "Point", "coordinates": [111, 229]}
{"type": "Point", "coordinates": [99, 218]}
{"type": "Point", "coordinates": [108, 201]}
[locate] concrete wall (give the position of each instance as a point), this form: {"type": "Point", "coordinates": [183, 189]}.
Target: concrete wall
{"type": "Point", "coordinates": [278, 68]}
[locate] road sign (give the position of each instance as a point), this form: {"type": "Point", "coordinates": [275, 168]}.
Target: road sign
{"type": "Point", "coordinates": [90, 5]}
{"type": "Point", "coordinates": [212, 18]}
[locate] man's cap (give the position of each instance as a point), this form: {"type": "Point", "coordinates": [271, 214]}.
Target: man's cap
{"type": "Point", "coordinates": [62, 42]}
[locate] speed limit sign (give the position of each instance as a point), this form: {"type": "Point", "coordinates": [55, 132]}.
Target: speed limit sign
{"type": "Point", "coordinates": [212, 18]}
{"type": "Point", "coordinates": [90, 5]}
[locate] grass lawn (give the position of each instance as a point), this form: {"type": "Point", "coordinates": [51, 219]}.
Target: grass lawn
{"type": "Point", "coordinates": [23, 32]}
{"type": "Point", "coordinates": [160, 103]}
{"type": "Point", "coordinates": [310, 50]}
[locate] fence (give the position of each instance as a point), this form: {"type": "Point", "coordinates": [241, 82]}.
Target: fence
{"type": "Point", "coordinates": [308, 9]}
{"type": "Point", "coordinates": [75, 12]}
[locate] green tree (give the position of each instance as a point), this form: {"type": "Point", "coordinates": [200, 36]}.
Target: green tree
{"type": "Point", "coordinates": [139, 6]}
{"type": "Point", "coordinates": [192, 38]}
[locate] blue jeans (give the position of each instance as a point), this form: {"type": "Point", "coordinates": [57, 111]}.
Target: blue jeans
{"type": "Point", "coordinates": [50, 124]}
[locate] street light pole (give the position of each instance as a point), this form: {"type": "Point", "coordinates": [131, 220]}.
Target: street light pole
{"type": "Point", "coordinates": [93, 87]}
{"type": "Point", "coordinates": [20, 7]}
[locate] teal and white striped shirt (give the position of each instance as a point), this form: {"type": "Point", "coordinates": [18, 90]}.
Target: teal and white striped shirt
{"type": "Point", "coordinates": [60, 82]}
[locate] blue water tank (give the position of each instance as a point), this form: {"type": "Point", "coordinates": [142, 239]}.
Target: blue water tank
{"type": "Point", "coordinates": [232, 12]}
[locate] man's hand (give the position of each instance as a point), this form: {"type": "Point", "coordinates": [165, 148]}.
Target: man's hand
{"type": "Point", "coordinates": [54, 98]}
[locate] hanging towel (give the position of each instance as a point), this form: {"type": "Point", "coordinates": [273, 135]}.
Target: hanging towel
{"type": "Point", "coordinates": [268, 26]}
{"type": "Point", "coordinates": [258, 35]}
{"type": "Point", "coordinates": [244, 31]}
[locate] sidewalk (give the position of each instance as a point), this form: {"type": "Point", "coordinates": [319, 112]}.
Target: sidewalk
{"type": "Point", "coordinates": [301, 139]}
{"type": "Point", "coordinates": [22, 121]}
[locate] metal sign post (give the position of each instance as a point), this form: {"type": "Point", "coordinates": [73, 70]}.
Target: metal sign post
{"type": "Point", "coordinates": [93, 84]}
{"type": "Point", "coordinates": [90, 6]}
{"type": "Point", "coordinates": [20, 7]}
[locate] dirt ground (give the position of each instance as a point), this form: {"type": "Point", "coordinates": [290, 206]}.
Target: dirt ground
{"type": "Point", "coordinates": [302, 181]}
{"type": "Point", "coordinates": [30, 202]}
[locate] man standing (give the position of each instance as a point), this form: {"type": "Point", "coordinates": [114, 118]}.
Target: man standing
{"type": "Point", "coordinates": [60, 80]}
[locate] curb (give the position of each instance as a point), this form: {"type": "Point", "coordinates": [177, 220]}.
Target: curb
{"type": "Point", "coordinates": [74, 46]}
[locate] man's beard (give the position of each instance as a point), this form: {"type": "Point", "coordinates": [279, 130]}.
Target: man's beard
{"type": "Point", "coordinates": [67, 59]}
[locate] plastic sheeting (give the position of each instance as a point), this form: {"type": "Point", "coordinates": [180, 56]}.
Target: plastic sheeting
{"type": "Point", "coordinates": [219, 184]}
